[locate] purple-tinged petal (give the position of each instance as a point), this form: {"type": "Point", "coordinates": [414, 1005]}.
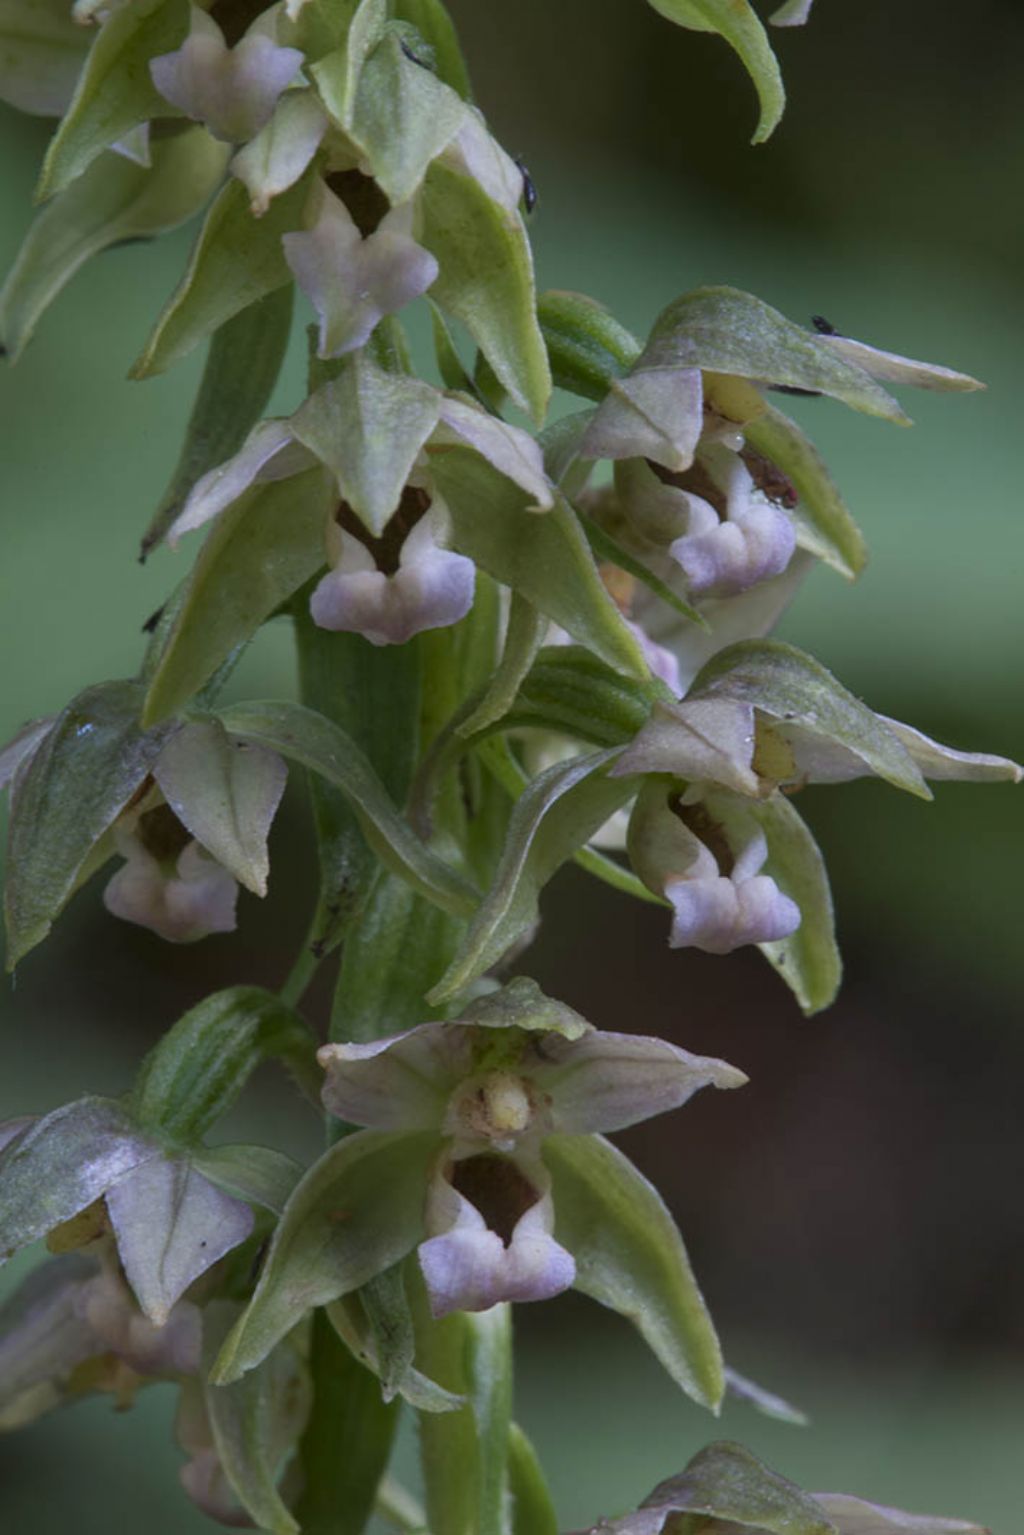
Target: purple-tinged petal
{"type": "Point", "coordinates": [468, 1267]}
{"type": "Point", "coordinates": [21, 747]}
{"type": "Point", "coordinates": [232, 90]}
{"type": "Point", "coordinates": [855, 1516]}
{"type": "Point", "coordinates": [701, 740]}
{"type": "Point", "coordinates": [171, 1225]}
{"type": "Point", "coordinates": [899, 370]}
{"type": "Point", "coordinates": [43, 1338]}
{"type": "Point", "coordinates": [734, 555]}
{"type": "Point", "coordinates": [662, 662]}
{"type": "Point", "coordinates": [512, 451]}
{"type": "Point", "coordinates": [198, 899]}
{"type": "Point", "coordinates": [205, 1484]}
{"type": "Point", "coordinates": [945, 762]}
{"type": "Point", "coordinates": [402, 1083]}
{"type": "Point", "coordinates": [173, 1348]}
{"type": "Point", "coordinates": [605, 1081]}
{"type": "Point", "coordinates": [719, 915]}
{"type": "Point", "coordinates": [431, 589]}
{"type": "Point", "coordinates": [268, 453]}
{"type": "Point", "coordinates": [134, 145]}
{"type": "Point", "coordinates": [655, 413]}
{"type": "Point", "coordinates": [12, 1128]}
{"type": "Point", "coordinates": [353, 282]}
{"type": "Point", "coordinates": [276, 158]}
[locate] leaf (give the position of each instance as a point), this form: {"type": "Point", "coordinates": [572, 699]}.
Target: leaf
{"type": "Point", "coordinates": [736, 21]}
{"type": "Point", "coordinates": [237, 260]}
{"type": "Point", "coordinates": [524, 634]}
{"type": "Point", "coordinates": [808, 961]}
{"type": "Point", "coordinates": [196, 1071]}
{"type": "Point", "coordinates": [350, 1318]}
{"type": "Point", "coordinates": [41, 55]}
{"type": "Point", "coordinates": [357, 1211]}
{"type": "Point", "coordinates": [258, 552]}
{"type": "Point", "coordinates": [810, 705]}
{"type": "Point", "coordinates": [255, 1422]}
{"type": "Point", "coordinates": [559, 811]}
{"type": "Point", "coordinates": [256, 1174]}
{"type": "Point", "coordinates": [630, 1257]}
{"type": "Point", "coordinates": [533, 1512]}
{"type": "Point", "coordinates": [486, 280]}
{"type": "Point", "coordinates": [404, 117]}
{"type": "Point", "coordinates": [347, 1444]}
{"type": "Point", "coordinates": [587, 347]}
{"type": "Point", "coordinates": [829, 532]}
{"type": "Point", "coordinates": [433, 23]}
{"type": "Point", "coordinates": [609, 549]}
{"type": "Point", "coordinates": [225, 793]}
{"type": "Point", "coordinates": [543, 556]}
{"type": "Point", "coordinates": [241, 369]}
{"type": "Point", "coordinates": [727, 1482]}
{"type": "Point", "coordinates": [337, 74]}
{"type": "Point", "coordinates": [171, 1225]}
{"type": "Point", "coordinates": [64, 797]}
{"type": "Point", "coordinates": [114, 200]}
{"type": "Point", "coordinates": [62, 1164]}
{"type": "Point", "coordinates": [725, 331]}
{"type": "Point", "coordinates": [449, 363]}
{"type": "Point", "coordinates": [368, 426]}
{"type": "Point", "coordinates": [307, 737]}
{"type": "Point", "coordinates": [114, 92]}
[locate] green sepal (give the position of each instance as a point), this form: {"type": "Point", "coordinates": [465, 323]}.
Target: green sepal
{"type": "Point", "coordinates": [737, 22]}
{"type": "Point", "coordinates": [560, 809]}
{"type": "Point", "coordinates": [729, 1483]}
{"type": "Point", "coordinates": [630, 1257]}
{"type": "Point", "coordinates": [257, 554]}
{"type": "Point", "coordinates": [788, 686]}
{"type": "Point", "coordinates": [114, 91]}
{"type": "Point", "coordinates": [337, 72]}
{"type": "Point", "coordinates": [533, 1512]}
{"type": "Point", "coordinates": [544, 556]}
{"type": "Point", "coordinates": [114, 200]}
{"type": "Point", "coordinates": [808, 960]}
{"type": "Point", "coordinates": [722, 330]}
{"type": "Point", "coordinates": [587, 347]}
{"type": "Point", "coordinates": [435, 26]}
{"type": "Point", "coordinates": [241, 370]}
{"type": "Point", "coordinates": [346, 679]}
{"type": "Point", "coordinates": [237, 259]}
{"type": "Point", "coordinates": [824, 523]}
{"type": "Point", "coordinates": [520, 1004]}
{"type": "Point", "coordinates": [41, 54]}
{"type": "Point", "coordinates": [358, 1210]}
{"type": "Point", "coordinates": [193, 1075]}
{"type": "Point", "coordinates": [486, 281]}
{"type": "Point", "coordinates": [404, 117]}
{"type": "Point", "coordinates": [307, 737]}
{"type": "Point", "coordinates": [257, 1175]}
{"type": "Point", "coordinates": [346, 1447]}
{"type": "Point", "coordinates": [64, 799]}
{"type": "Point", "coordinates": [256, 1421]}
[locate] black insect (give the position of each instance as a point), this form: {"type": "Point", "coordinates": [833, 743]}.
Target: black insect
{"type": "Point", "coordinates": [149, 627]}
{"type": "Point", "coordinates": [529, 190]}
{"type": "Point", "coordinates": [822, 326]}
{"type": "Point", "coordinates": [413, 59]}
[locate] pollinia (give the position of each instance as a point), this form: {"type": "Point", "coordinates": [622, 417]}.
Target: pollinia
{"type": "Point", "coordinates": [520, 642]}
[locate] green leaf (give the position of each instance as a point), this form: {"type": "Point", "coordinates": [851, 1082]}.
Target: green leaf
{"type": "Point", "coordinates": [307, 737]}
{"type": "Point", "coordinates": [382, 1337]}
{"type": "Point", "coordinates": [345, 678]}
{"type": "Point", "coordinates": [114, 92]}
{"type": "Point", "coordinates": [486, 281]}
{"type": "Point", "coordinates": [241, 370]}
{"type": "Point", "coordinates": [237, 260]}
{"type": "Point", "coordinates": [358, 1210]}
{"type": "Point", "coordinates": [368, 425]}
{"type": "Point", "coordinates": [533, 1512]}
{"type": "Point", "coordinates": [404, 117]}
{"type": "Point", "coordinates": [560, 810]}
{"type": "Point", "coordinates": [435, 26]}
{"type": "Point", "coordinates": [543, 556]}
{"type": "Point", "coordinates": [114, 200]}
{"type": "Point", "coordinates": [795, 690]}
{"type": "Point", "coordinates": [722, 330]}
{"type": "Point", "coordinates": [587, 347]}
{"type": "Point", "coordinates": [193, 1075]}
{"type": "Point", "coordinates": [630, 1257]}
{"type": "Point", "coordinates": [449, 363]}
{"type": "Point", "coordinates": [347, 1444]}
{"type": "Point", "coordinates": [337, 74]}
{"type": "Point", "coordinates": [256, 555]}
{"type": "Point", "coordinates": [737, 22]}
{"type": "Point", "coordinates": [61, 1164]}
{"type": "Point", "coordinates": [65, 797]}
{"type": "Point", "coordinates": [808, 961]}
{"type": "Point", "coordinates": [256, 1422]}
{"type": "Point", "coordinates": [256, 1174]}
{"type": "Point", "coordinates": [607, 548]}
{"type": "Point", "coordinates": [727, 1482]}
{"type": "Point", "coordinates": [524, 634]}
{"type": "Point", "coordinates": [41, 55]}
{"type": "Point", "coordinates": [827, 528]}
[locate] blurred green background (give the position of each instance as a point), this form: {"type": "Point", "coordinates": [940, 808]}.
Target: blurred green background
{"type": "Point", "coordinates": [852, 1214]}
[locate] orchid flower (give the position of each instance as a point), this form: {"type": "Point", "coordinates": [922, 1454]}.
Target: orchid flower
{"type": "Point", "coordinates": [232, 90]}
